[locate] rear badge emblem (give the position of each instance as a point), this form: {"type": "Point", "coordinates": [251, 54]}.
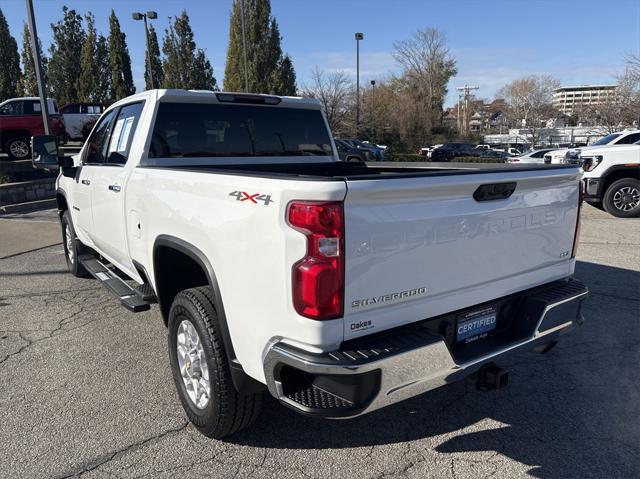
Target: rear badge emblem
{"type": "Point", "coordinates": [388, 298]}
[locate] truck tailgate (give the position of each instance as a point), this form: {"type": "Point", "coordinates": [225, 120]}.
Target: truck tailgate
{"type": "Point", "coordinates": [423, 246]}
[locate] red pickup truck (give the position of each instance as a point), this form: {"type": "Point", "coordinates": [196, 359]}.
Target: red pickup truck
{"type": "Point", "coordinates": [20, 119]}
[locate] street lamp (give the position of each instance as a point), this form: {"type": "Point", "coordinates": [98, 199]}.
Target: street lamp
{"type": "Point", "coordinates": [373, 107]}
{"type": "Point", "coordinates": [151, 15]}
{"type": "Point", "coordinates": [359, 36]}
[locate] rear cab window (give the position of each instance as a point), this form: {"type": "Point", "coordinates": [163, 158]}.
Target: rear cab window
{"type": "Point", "coordinates": [196, 130]}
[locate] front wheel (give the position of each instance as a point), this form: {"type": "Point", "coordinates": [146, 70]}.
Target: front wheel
{"type": "Point", "coordinates": [73, 248]}
{"type": "Point", "coordinates": [18, 148]}
{"type": "Point", "coordinates": [201, 370]}
{"type": "Point", "coordinates": [622, 198]}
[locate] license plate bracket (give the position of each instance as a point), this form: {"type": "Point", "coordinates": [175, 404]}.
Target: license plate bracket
{"type": "Point", "coordinates": [476, 324]}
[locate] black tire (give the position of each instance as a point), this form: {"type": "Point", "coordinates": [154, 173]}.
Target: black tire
{"type": "Point", "coordinates": [73, 248]}
{"type": "Point", "coordinates": [227, 410]}
{"type": "Point", "coordinates": [354, 158]}
{"type": "Point", "coordinates": [622, 198]}
{"type": "Point", "coordinates": [18, 148]}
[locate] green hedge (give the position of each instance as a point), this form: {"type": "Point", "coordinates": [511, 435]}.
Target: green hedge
{"type": "Point", "coordinates": [475, 159]}
{"type": "Point", "coordinates": [459, 159]}
{"type": "Point", "coordinates": [405, 157]}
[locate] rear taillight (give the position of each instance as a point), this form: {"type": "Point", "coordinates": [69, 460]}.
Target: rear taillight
{"type": "Point", "coordinates": [576, 237]}
{"type": "Point", "coordinates": [318, 278]}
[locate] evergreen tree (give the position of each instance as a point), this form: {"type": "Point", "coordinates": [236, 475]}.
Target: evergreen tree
{"type": "Point", "coordinates": [153, 70]}
{"type": "Point", "coordinates": [89, 68]}
{"type": "Point", "coordinates": [287, 77]}
{"type": "Point", "coordinates": [29, 82]}
{"type": "Point", "coordinates": [119, 61]}
{"type": "Point", "coordinates": [66, 50]}
{"type": "Point", "coordinates": [184, 66]}
{"type": "Point", "coordinates": [9, 62]}
{"type": "Point", "coordinates": [103, 83]}
{"type": "Point", "coordinates": [202, 73]}
{"type": "Point", "coordinates": [268, 70]}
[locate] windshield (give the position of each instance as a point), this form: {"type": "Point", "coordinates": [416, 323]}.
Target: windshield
{"type": "Point", "coordinates": [204, 130]}
{"type": "Point", "coordinates": [605, 140]}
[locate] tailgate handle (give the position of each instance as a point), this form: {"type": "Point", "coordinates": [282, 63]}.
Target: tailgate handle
{"type": "Point", "coordinates": [494, 191]}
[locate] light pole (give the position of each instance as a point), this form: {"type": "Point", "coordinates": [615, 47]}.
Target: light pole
{"type": "Point", "coordinates": [244, 48]}
{"type": "Point", "coordinates": [359, 36]}
{"type": "Point", "coordinates": [151, 15]}
{"type": "Point", "coordinates": [35, 51]}
{"type": "Point", "coordinates": [373, 107]}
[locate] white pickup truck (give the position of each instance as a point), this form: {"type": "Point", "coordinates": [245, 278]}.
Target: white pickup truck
{"type": "Point", "coordinates": [612, 178]}
{"type": "Point", "coordinates": [338, 287]}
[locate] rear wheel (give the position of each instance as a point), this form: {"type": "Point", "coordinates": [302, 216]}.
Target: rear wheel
{"type": "Point", "coordinates": [622, 198]}
{"type": "Point", "coordinates": [73, 248]}
{"type": "Point", "coordinates": [201, 370]}
{"type": "Point", "coordinates": [18, 148]}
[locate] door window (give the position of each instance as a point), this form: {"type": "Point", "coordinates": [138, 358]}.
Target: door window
{"type": "Point", "coordinates": [32, 107]}
{"type": "Point", "coordinates": [123, 131]}
{"type": "Point", "coordinates": [96, 147]}
{"type": "Point", "coordinates": [13, 108]}
{"type": "Point", "coordinates": [629, 139]}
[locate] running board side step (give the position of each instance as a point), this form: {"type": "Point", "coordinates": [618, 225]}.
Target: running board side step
{"type": "Point", "coordinates": [129, 298]}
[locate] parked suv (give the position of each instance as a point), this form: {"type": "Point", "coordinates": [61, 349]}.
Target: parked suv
{"type": "Point", "coordinates": [79, 118]}
{"type": "Point", "coordinates": [20, 119]}
{"type": "Point", "coordinates": [449, 151]}
{"type": "Point", "coordinates": [371, 151]}
{"type": "Point", "coordinates": [346, 152]}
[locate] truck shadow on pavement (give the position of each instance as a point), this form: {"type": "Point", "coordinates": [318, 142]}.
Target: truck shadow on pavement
{"type": "Point", "coordinates": [572, 412]}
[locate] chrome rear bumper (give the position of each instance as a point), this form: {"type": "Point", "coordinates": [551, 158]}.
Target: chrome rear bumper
{"type": "Point", "coordinates": [374, 372]}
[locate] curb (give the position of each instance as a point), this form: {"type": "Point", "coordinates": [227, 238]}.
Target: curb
{"type": "Point", "coordinates": [29, 206]}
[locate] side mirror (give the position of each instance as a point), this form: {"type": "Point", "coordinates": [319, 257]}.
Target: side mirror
{"type": "Point", "coordinates": [44, 152]}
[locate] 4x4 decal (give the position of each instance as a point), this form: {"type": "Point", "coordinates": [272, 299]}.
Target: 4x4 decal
{"type": "Point", "coordinates": [253, 198]}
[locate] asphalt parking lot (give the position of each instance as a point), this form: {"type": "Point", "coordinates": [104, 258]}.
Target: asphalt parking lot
{"type": "Point", "coordinates": [85, 390]}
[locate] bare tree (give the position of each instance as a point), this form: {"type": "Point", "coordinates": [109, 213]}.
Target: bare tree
{"type": "Point", "coordinates": [529, 103]}
{"type": "Point", "coordinates": [335, 92]}
{"type": "Point", "coordinates": [633, 65]}
{"type": "Point", "coordinates": [621, 108]}
{"type": "Point", "coordinates": [428, 66]}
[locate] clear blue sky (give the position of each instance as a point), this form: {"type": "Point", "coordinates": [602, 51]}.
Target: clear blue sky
{"type": "Point", "coordinates": [494, 41]}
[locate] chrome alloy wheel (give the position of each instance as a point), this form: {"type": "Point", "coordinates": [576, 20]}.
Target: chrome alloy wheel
{"type": "Point", "coordinates": [68, 241]}
{"type": "Point", "coordinates": [193, 365]}
{"type": "Point", "coordinates": [19, 148]}
{"type": "Point", "coordinates": [626, 198]}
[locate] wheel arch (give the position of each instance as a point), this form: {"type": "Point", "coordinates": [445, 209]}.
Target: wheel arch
{"type": "Point", "coordinates": [61, 202]}
{"type": "Point", "coordinates": [619, 172]}
{"type": "Point", "coordinates": [9, 135]}
{"type": "Point", "coordinates": [166, 246]}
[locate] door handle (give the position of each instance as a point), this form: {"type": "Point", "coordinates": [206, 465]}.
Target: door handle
{"type": "Point", "coordinates": [115, 188]}
{"type": "Point", "coordinates": [86, 182]}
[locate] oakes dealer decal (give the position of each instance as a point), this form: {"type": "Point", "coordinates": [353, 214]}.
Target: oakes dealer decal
{"type": "Point", "coordinates": [387, 298]}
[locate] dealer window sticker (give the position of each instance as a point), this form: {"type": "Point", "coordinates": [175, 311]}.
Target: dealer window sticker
{"type": "Point", "coordinates": [121, 132]}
